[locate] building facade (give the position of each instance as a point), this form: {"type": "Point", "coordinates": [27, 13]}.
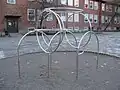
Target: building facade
{"type": "Point", "coordinates": [16, 15]}
{"type": "Point", "coordinates": [99, 13]}
{"type": "Point", "coordinates": [13, 15]}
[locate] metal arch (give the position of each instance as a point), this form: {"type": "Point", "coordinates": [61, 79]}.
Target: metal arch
{"type": "Point", "coordinates": [63, 32]}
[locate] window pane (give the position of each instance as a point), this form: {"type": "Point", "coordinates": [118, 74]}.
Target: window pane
{"type": "Point", "coordinates": [64, 2]}
{"type": "Point", "coordinates": [31, 15]}
{"type": "Point", "coordinates": [103, 7]}
{"type": "Point", "coordinates": [106, 19]}
{"type": "Point", "coordinates": [85, 18]}
{"type": "Point", "coordinates": [50, 17]}
{"type": "Point", "coordinates": [95, 5]}
{"type": "Point", "coordinates": [91, 18]}
{"type": "Point", "coordinates": [70, 2]}
{"type": "Point", "coordinates": [95, 18]}
{"type": "Point", "coordinates": [91, 5]}
{"type": "Point", "coordinates": [86, 4]}
{"type": "Point", "coordinates": [70, 17]}
{"type": "Point", "coordinates": [63, 16]}
{"type": "Point", "coordinates": [103, 19]}
{"type": "Point", "coordinates": [76, 3]}
{"type": "Point", "coordinates": [76, 17]}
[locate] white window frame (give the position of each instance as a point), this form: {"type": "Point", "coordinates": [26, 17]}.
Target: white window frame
{"type": "Point", "coordinates": [50, 17]}
{"type": "Point", "coordinates": [106, 19]}
{"type": "Point", "coordinates": [86, 18]}
{"type": "Point", "coordinates": [64, 2]}
{"type": "Point", "coordinates": [70, 2]}
{"type": "Point", "coordinates": [95, 5]}
{"type": "Point", "coordinates": [76, 17]}
{"type": "Point", "coordinates": [91, 4]}
{"type": "Point", "coordinates": [76, 3]}
{"type": "Point", "coordinates": [86, 3]}
{"type": "Point", "coordinates": [107, 8]}
{"type": "Point", "coordinates": [103, 19]}
{"type": "Point", "coordinates": [95, 18]}
{"type": "Point", "coordinates": [109, 18]}
{"type": "Point", "coordinates": [38, 14]}
{"type": "Point", "coordinates": [110, 8]}
{"type": "Point", "coordinates": [103, 6]}
{"type": "Point", "coordinates": [91, 17]}
{"type": "Point", "coordinates": [28, 14]}
{"type": "Point", "coordinates": [63, 16]}
{"type": "Point", "coordinates": [70, 19]}
{"type": "Point", "coordinates": [10, 1]}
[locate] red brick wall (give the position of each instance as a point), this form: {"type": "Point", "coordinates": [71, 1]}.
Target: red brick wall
{"type": "Point", "coordinates": [18, 9]}
{"type": "Point", "coordinates": [1, 16]}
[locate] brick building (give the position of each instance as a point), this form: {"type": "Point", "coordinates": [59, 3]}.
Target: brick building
{"type": "Point", "coordinates": [16, 15]}
{"type": "Point", "coordinates": [99, 13]}
{"type": "Point", "coordinates": [13, 15]}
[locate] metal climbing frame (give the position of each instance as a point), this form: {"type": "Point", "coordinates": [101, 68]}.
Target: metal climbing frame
{"type": "Point", "coordinates": [62, 34]}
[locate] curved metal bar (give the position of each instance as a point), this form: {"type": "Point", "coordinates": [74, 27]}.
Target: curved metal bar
{"type": "Point", "coordinates": [89, 36]}
{"type": "Point", "coordinates": [66, 9]}
{"type": "Point", "coordinates": [62, 32]}
{"type": "Point", "coordinates": [19, 70]}
{"type": "Point", "coordinates": [97, 46]}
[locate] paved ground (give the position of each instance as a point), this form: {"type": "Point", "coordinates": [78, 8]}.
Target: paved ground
{"type": "Point", "coordinates": [34, 65]}
{"type": "Point", "coordinates": [62, 77]}
{"type": "Point", "coordinates": [109, 43]}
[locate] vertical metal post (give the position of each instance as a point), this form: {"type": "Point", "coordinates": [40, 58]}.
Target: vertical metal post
{"type": "Point", "coordinates": [19, 71]}
{"type": "Point", "coordinates": [77, 64]}
{"type": "Point", "coordinates": [49, 64]}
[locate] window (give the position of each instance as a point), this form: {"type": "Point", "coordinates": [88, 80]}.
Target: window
{"type": "Point", "coordinates": [103, 19]}
{"type": "Point", "coordinates": [115, 20]}
{"type": "Point", "coordinates": [91, 18]}
{"type": "Point", "coordinates": [64, 2]}
{"type": "Point", "coordinates": [31, 14]}
{"type": "Point", "coordinates": [103, 7]}
{"type": "Point", "coordinates": [86, 4]}
{"type": "Point", "coordinates": [106, 19]}
{"type": "Point", "coordinates": [118, 19]}
{"type": "Point", "coordinates": [63, 16]}
{"type": "Point", "coordinates": [70, 17]}
{"type": "Point", "coordinates": [76, 3]}
{"type": "Point", "coordinates": [86, 18]}
{"type": "Point", "coordinates": [76, 17]}
{"type": "Point", "coordinates": [109, 18]}
{"type": "Point", "coordinates": [95, 18]}
{"type": "Point", "coordinates": [11, 1]}
{"type": "Point", "coordinates": [49, 1]}
{"type": "Point", "coordinates": [38, 14]}
{"type": "Point", "coordinates": [95, 5]}
{"type": "Point", "coordinates": [119, 9]}
{"type": "Point", "coordinates": [50, 17]}
{"type": "Point", "coordinates": [110, 8]}
{"type": "Point", "coordinates": [91, 5]}
{"type": "Point", "coordinates": [70, 2]}
{"type": "Point", "coordinates": [107, 8]}
{"type": "Point", "coordinates": [115, 8]}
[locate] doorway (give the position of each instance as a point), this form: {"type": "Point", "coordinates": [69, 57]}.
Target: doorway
{"type": "Point", "coordinates": [12, 24]}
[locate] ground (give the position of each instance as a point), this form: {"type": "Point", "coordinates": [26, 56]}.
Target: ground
{"type": "Point", "coordinates": [34, 66]}
{"type": "Point", "coordinates": [109, 43]}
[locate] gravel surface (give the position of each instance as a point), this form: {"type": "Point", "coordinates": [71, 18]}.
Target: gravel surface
{"type": "Point", "coordinates": [63, 73]}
